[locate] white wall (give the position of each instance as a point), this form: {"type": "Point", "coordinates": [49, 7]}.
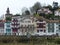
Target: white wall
{"type": "Point", "coordinates": [57, 13]}
{"type": "Point", "coordinates": [1, 31]}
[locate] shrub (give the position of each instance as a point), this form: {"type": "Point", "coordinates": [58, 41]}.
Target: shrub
{"type": "Point", "coordinates": [57, 40]}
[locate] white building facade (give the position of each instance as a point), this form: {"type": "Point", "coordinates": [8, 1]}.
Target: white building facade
{"type": "Point", "coordinates": [27, 25]}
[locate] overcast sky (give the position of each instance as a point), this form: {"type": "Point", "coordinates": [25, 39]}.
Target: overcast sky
{"type": "Point", "coordinates": [16, 5]}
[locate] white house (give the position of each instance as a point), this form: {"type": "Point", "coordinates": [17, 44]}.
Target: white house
{"type": "Point", "coordinates": [44, 10]}
{"type": "Point", "coordinates": [57, 28]}
{"type": "Point", "coordinates": [52, 27]}
{"type": "Point", "coordinates": [57, 12]}
{"type": "Point", "coordinates": [27, 25]}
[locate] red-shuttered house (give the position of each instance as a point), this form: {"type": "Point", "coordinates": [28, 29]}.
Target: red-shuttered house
{"type": "Point", "coordinates": [41, 27]}
{"type": "Point", "coordinates": [15, 25]}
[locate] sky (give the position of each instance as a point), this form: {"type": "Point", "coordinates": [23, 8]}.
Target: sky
{"type": "Point", "coordinates": [16, 6]}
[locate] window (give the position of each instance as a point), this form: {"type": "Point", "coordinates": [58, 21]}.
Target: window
{"type": "Point", "coordinates": [2, 30]}
{"type": "Point", "coordinates": [8, 25]}
{"type": "Point", "coordinates": [28, 21]}
{"type": "Point", "coordinates": [51, 30]}
{"type": "Point", "coordinates": [8, 30]}
{"type": "Point", "coordinates": [59, 25]}
{"type": "Point", "coordinates": [41, 30]}
{"type": "Point", "coordinates": [59, 28]}
{"type": "Point", "coordinates": [38, 31]}
{"type": "Point", "coordinates": [44, 30]}
{"type": "Point", "coordinates": [22, 21]}
{"type": "Point", "coordinates": [50, 24]}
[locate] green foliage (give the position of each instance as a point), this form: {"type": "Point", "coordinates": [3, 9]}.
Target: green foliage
{"type": "Point", "coordinates": [57, 40]}
{"type": "Point", "coordinates": [36, 40]}
{"type": "Point", "coordinates": [17, 14]}
{"type": "Point", "coordinates": [36, 15]}
{"type": "Point", "coordinates": [48, 6]}
{"type": "Point", "coordinates": [49, 16]}
{"type": "Point", "coordinates": [27, 12]}
{"type": "Point", "coordinates": [50, 39]}
{"type": "Point", "coordinates": [35, 7]}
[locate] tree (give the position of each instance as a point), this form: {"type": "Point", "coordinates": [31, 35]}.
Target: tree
{"type": "Point", "coordinates": [17, 14]}
{"type": "Point", "coordinates": [55, 5]}
{"type": "Point", "coordinates": [36, 7]}
{"type": "Point", "coordinates": [48, 6]}
{"type": "Point", "coordinates": [25, 11]}
{"type": "Point", "coordinates": [36, 15]}
{"type": "Point", "coordinates": [49, 16]}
